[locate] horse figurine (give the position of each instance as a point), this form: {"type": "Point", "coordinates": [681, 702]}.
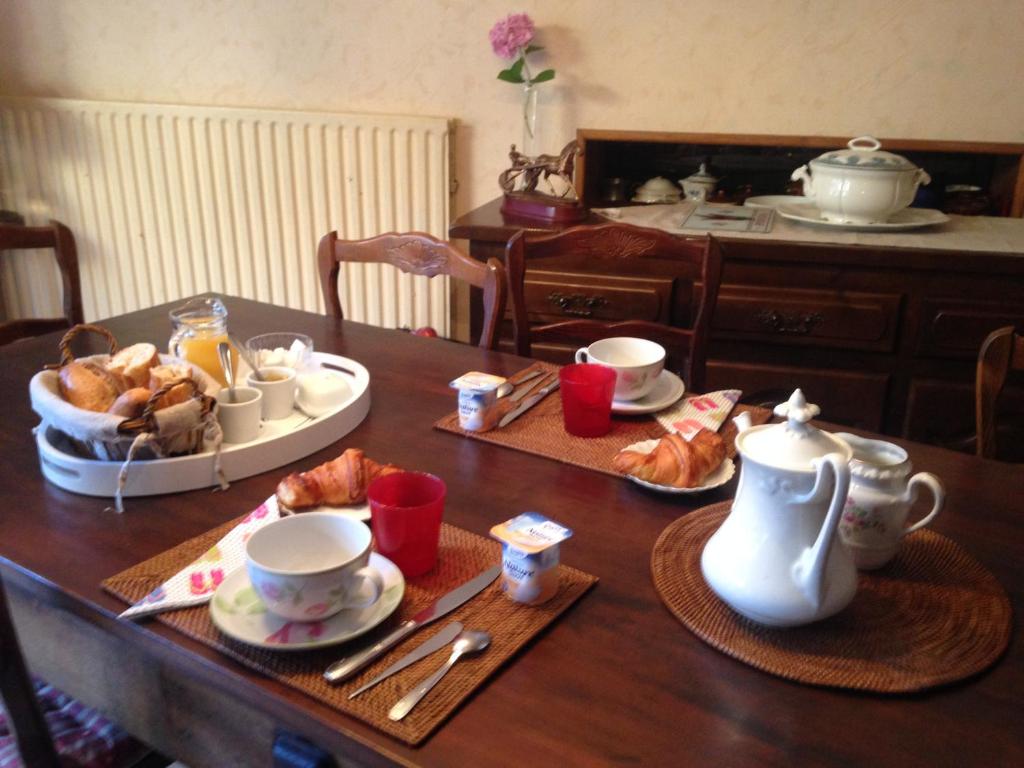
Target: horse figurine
{"type": "Point", "coordinates": [528, 171]}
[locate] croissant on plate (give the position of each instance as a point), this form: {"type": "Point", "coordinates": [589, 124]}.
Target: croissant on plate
{"type": "Point", "coordinates": [341, 481]}
{"type": "Point", "coordinates": [675, 461]}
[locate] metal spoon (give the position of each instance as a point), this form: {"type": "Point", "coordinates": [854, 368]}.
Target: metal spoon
{"type": "Point", "coordinates": [244, 352]}
{"type": "Point", "coordinates": [224, 352]}
{"type": "Point", "coordinates": [470, 641]}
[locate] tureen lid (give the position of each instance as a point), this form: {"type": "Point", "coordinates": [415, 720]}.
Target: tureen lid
{"type": "Point", "coordinates": [865, 152]}
{"type": "Point", "coordinates": [659, 185]}
{"type": "Point", "coordinates": [794, 443]}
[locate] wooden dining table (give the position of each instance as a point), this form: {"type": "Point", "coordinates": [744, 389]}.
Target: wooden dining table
{"type": "Point", "coordinates": [616, 680]}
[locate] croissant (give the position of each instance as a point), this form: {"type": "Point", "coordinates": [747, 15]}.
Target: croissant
{"type": "Point", "coordinates": [341, 481]}
{"type": "Point", "coordinates": [674, 461]}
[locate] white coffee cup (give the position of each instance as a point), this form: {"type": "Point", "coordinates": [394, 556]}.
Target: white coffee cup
{"type": "Point", "coordinates": [310, 566]}
{"type": "Point", "coordinates": [637, 363]}
{"type": "Point", "coordinates": [278, 388]}
{"type": "Point", "coordinates": [239, 419]}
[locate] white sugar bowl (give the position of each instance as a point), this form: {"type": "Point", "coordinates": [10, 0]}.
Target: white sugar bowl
{"type": "Point", "coordinates": [321, 392]}
{"type": "Point", "coordinates": [861, 184]}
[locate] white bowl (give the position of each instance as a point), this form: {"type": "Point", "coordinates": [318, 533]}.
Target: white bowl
{"type": "Point", "coordinates": [321, 391]}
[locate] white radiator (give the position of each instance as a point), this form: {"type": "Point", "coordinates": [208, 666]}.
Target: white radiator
{"type": "Point", "coordinates": [169, 201]}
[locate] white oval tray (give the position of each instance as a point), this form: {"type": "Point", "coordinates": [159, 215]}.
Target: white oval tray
{"type": "Point", "coordinates": [280, 442]}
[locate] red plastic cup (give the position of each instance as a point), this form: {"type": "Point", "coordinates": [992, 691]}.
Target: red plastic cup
{"type": "Point", "coordinates": [405, 515]}
{"type": "Point", "coordinates": [587, 390]}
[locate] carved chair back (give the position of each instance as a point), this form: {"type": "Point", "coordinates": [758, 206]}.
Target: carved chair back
{"type": "Point", "coordinates": [419, 254]}
{"type": "Point", "coordinates": [695, 267]}
{"type": "Point", "coordinates": [58, 237]}
{"type": "Point", "coordinates": [1001, 353]}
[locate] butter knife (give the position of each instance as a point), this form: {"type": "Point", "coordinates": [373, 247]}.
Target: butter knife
{"type": "Point", "coordinates": [345, 668]}
{"type": "Point", "coordinates": [514, 398]}
{"type": "Point", "coordinates": [436, 643]}
{"type": "Point", "coordinates": [528, 403]}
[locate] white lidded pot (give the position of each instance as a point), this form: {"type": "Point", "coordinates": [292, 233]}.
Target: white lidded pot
{"type": "Point", "coordinates": [777, 558]}
{"type": "Point", "coordinates": [861, 184]}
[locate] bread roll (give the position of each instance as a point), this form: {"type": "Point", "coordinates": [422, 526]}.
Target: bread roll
{"type": "Point", "coordinates": [178, 394]}
{"type": "Point", "coordinates": [164, 374]}
{"type": "Point", "coordinates": [134, 363]}
{"type": "Point", "coordinates": [131, 403]}
{"type": "Point", "coordinates": [90, 386]}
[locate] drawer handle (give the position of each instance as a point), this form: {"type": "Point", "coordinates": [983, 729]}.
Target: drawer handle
{"type": "Point", "coordinates": [792, 322]}
{"type": "Point", "coordinates": [577, 304]}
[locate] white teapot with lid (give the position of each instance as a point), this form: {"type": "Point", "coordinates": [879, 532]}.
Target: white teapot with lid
{"type": "Point", "coordinates": [777, 558]}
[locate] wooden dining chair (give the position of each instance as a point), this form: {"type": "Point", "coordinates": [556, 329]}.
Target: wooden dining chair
{"type": "Point", "coordinates": [49, 729]}
{"type": "Point", "coordinates": [15, 237]}
{"type": "Point", "coordinates": [1001, 353]}
{"type": "Point", "coordinates": [419, 254]}
{"type": "Point", "coordinates": [694, 266]}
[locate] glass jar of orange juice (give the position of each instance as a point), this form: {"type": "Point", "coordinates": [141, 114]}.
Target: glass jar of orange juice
{"type": "Point", "coordinates": [198, 327]}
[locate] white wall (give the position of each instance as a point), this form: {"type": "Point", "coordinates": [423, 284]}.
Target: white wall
{"type": "Point", "coordinates": [910, 68]}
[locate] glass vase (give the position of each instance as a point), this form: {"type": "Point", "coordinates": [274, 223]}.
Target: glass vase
{"type": "Point", "coordinates": [531, 127]}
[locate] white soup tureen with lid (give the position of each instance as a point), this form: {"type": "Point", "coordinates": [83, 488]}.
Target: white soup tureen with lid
{"type": "Point", "coordinates": [861, 184]}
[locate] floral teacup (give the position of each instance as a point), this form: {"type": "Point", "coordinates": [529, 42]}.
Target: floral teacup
{"type": "Point", "coordinates": [310, 566]}
{"type": "Point", "coordinates": [637, 363]}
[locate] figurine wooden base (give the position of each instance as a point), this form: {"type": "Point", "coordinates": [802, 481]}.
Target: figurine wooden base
{"type": "Point", "coordinates": [543, 209]}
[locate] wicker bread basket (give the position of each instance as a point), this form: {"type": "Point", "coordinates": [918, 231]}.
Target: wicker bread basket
{"type": "Point", "coordinates": [172, 431]}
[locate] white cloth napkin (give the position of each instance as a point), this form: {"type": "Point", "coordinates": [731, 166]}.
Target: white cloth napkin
{"type": "Point", "coordinates": [195, 584]}
{"type": "Point", "coordinates": [692, 414]}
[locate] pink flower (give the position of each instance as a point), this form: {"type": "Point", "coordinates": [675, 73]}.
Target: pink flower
{"type": "Point", "coordinates": [511, 34]}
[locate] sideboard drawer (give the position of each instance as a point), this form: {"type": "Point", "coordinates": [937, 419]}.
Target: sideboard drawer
{"type": "Point", "coordinates": [854, 398]}
{"type": "Point", "coordinates": [555, 296]}
{"type": "Point", "coordinates": [852, 320]}
{"type": "Point", "coordinates": [956, 328]}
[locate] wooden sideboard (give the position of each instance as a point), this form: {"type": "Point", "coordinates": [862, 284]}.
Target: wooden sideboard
{"type": "Point", "coordinates": [882, 338]}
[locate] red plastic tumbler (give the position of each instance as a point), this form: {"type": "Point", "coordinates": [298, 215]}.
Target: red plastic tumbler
{"type": "Point", "coordinates": [405, 514]}
{"type": "Point", "coordinates": [587, 390]}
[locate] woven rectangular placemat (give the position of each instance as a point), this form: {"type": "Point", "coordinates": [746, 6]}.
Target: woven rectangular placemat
{"type": "Point", "coordinates": [541, 431]}
{"type": "Point", "coordinates": [462, 555]}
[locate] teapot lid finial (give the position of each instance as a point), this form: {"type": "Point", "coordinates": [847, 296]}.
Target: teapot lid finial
{"type": "Point", "coordinates": [795, 443]}
{"type": "Point", "coordinates": [797, 411]}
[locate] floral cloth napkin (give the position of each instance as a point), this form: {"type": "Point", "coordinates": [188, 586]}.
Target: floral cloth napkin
{"type": "Point", "coordinates": [692, 414]}
{"type": "Point", "coordinates": [196, 584]}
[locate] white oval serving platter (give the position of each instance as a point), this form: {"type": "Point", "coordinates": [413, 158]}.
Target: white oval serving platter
{"type": "Point", "coordinates": [280, 442]}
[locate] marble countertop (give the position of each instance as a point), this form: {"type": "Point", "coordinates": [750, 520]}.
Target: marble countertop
{"type": "Point", "coordinates": [961, 233]}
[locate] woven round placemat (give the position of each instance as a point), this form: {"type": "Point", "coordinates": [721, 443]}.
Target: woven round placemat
{"type": "Point", "coordinates": [931, 616]}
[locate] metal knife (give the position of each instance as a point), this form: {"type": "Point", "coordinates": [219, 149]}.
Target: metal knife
{"type": "Point", "coordinates": [436, 643]}
{"type": "Point", "coordinates": [524, 376]}
{"type": "Point", "coordinates": [528, 403]}
{"type": "Point", "coordinates": [345, 668]}
{"type": "Point", "coordinates": [525, 390]}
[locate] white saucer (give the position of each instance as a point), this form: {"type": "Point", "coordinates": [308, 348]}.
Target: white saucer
{"type": "Point", "coordinates": [720, 476]}
{"type": "Point", "coordinates": [667, 389]}
{"type": "Point", "coordinates": [908, 218]}
{"type": "Point", "coordinates": [774, 201]}
{"type": "Point", "coordinates": [240, 614]}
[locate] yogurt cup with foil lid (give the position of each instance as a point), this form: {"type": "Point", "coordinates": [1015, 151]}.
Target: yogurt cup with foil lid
{"type": "Point", "coordinates": [530, 546]}
{"type": "Point", "coordinates": [478, 400]}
